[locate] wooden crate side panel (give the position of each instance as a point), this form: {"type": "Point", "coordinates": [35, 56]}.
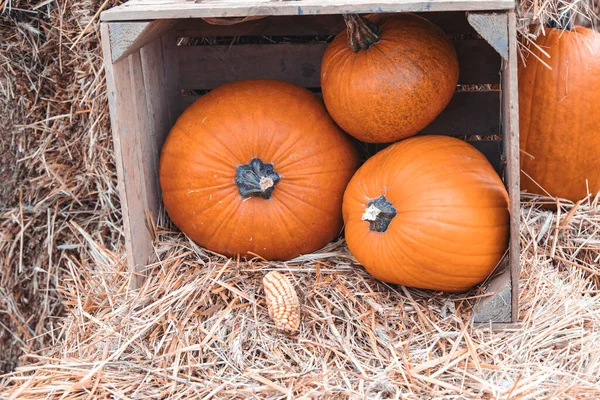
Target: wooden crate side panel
{"type": "Point", "coordinates": [469, 113]}
{"type": "Point", "coordinates": [301, 63]}
{"type": "Point", "coordinates": [306, 25]}
{"type": "Point", "coordinates": [164, 9]}
{"type": "Point", "coordinates": [128, 113]}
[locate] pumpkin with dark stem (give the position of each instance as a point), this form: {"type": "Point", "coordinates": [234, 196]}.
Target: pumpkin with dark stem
{"type": "Point", "coordinates": [428, 212]}
{"type": "Point", "coordinates": [257, 168]}
{"type": "Point", "coordinates": [386, 78]}
{"type": "Point", "coordinates": [559, 114]}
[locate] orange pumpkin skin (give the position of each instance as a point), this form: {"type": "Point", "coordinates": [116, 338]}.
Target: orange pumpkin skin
{"type": "Point", "coordinates": [451, 222]}
{"type": "Point", "coordinates": [559, 115]}
{"type": "Point", "coordinates": [281, 124]}
{"type": "Point", "coordinates": [395, 88]}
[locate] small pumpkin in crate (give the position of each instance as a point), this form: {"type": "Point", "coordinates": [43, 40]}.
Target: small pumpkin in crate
{"type": "Point", "coordinates": [428, 212]}
{"type": "Point", "coordinates": [257, 167]}
{"type": "Point", "coordinates": [559, 114]}
{"type": "Point", "coordinates": [387, 77]}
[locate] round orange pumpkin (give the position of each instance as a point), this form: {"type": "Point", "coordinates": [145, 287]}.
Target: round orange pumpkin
{"type": "Point", "coordinates": [559, 114]}
{"type": "Point", "coordinates": [428, 212]}
{"type": "Point", "coordinates": [257, 168]}
{"type": "Point", "coordinates": [386, 78]}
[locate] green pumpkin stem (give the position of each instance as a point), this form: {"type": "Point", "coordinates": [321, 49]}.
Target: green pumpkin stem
{"type": "Point", "coordinates": [362, 33]}
{"type": "Point", "coordinates": [256, 179]}
{"type": "Point", "coordinates": [379, 213]}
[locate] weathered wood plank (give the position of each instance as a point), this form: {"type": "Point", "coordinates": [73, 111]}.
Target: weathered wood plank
{"type": "Point", "coordinates": [493, 27]}
{"type": "Point", "coordinates": [171, 71]}
{"type": "Point", "coordinates": [166, 9]}
{"type": "Point", "coordinates": [510, 118]}
{"type": "Point", "coordinates": [207, 67]}
{"type": "Point", "coordinates": [128, 114]}
{"type": "Point", "coordinates": [161, 85]}
{"type": "Point", "coordinates": [469, 113]}
{"type": "Point", "coordinates": [172, 93]}
{"type": "Point", "coordinates": [306, 25]}
{"type": "Point", "coordinates": [503, 305]}
{"type": "Point", "coordinates": [128, 37]}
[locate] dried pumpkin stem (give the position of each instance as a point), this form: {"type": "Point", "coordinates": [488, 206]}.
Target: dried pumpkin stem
{"type": "Point", "coordinates": [564, 22]}
{"type": "Point", "coordinates": [379, 213]}
{"type": "Point", "coordinates": [362, 33]}
{"type": "Point", "coordinates": [256, 179]}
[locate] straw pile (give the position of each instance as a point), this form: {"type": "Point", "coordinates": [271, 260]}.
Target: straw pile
{"type": "Point", "coordinates": [200, 327]}
{"type": "Point", "coordinates": [56, 162]}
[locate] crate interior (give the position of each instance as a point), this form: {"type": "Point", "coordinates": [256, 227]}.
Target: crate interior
{"type": "Point", "coordinates": [290, 48]}
{"type": "Point", "coordinates": [180, 60]}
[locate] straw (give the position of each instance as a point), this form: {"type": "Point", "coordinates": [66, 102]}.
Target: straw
{"type": "Point", "coordinates": [199, 326]}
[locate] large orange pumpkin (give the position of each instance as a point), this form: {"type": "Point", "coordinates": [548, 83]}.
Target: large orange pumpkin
{"type": "Point", "coordinates": [559, 113]}
{"type": "Point", "coordinates": [386, 78]}
{"type": "Point", "coordinates": [257, 167]}
{"type": "Point", "coordinates": [428, 212]}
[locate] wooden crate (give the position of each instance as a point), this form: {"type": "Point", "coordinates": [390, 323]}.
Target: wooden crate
{"type": "Point", "coordinates": [151, 80]}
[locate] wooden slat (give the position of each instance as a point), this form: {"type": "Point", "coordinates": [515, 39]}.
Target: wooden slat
{"type": "Point", "coordinates": [469, 113]}
{"type": "Point", "coordinates": [173, 97]}
{"type": "Point", "coordinates": [165, 9]}
{"type": "Point", "coordinates": [129, 119]}
{"type": "Point", "coordinates": [207, 67]}
{"type": "Point", "coordinates": [171, 71]}
{"type": "Point", "coordinates": [510, 118]}
{"type": "Point", "coordinates": [161, 83]}
{"type": "Point", "coordinates": [503, 304]}
{"type": "Point", "coordinates": [306, 25]}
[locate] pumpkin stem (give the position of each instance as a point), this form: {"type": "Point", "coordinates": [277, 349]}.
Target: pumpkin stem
{"type": "Point", "coordinates": [379, 213]}
{"type": "Point", "coordinates": [362, 33]}
{"type": "Point", "coordinates": [256, 179]}
{"type": "Point", "coordinates": [564, 22]}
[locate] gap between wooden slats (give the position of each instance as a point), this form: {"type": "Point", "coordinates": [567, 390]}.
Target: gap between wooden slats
{"type": "Point", "coordinates": [469, 113]}
{"type": "Point", "coordinates": [207, 67]}
{"type": "Point", "coordinates": [306, 25]}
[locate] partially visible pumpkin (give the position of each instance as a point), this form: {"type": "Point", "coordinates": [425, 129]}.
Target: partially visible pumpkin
{"type": "Point", "coordinates": [559, 113]}
{"type": "Point", "coordinates": [257, 168]}
{"type": "Point", "coordinates": [428, 212]}
{"type": "Point", "coordinates": [387, 77]}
